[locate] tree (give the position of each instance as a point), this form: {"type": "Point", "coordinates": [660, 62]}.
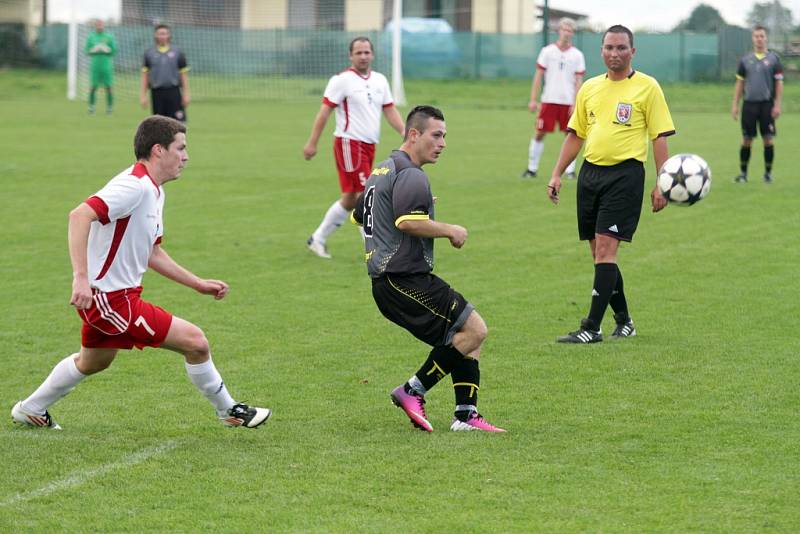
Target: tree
{"type": "Point", "coordinates": [702, 19]}
{"type": "Point", "coordinates": [773, 16]}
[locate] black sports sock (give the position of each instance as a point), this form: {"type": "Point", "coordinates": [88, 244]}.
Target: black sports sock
{"type": "Point", "coordinates": [439, 364]}
{"type": "Point", "coordinates": [617, 301]}
{"type": "Point", "coordinates": [466, 383]}
{"type": "Point", "coordinates": [744, 158]}
{"type": "Point", "coordinates": [769, 155]}
{"type": "Point", "coordinates": [605, 280]}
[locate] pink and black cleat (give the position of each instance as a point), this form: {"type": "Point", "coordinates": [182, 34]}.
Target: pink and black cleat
{"type": "Point", "coordinates": [413, 405]}
{"type": "Point", "coordinates": [475, 421]}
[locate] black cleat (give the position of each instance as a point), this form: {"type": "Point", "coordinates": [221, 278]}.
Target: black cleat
{"type": "Point", "coordinates": [247, 416]}
{"type": "Point", "coordinates": [584, 335]}
{"type": "Point", "coordinates": [624, 327]}
{"type": "Point", "coordinates": [741, 179]}
{"type": "Point", "coordinates": [767, 178]}
{"type": "Point", "coordinates": [528, 174]}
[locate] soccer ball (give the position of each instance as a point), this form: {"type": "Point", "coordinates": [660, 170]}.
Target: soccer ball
{"type": "Point", "coordinates": [684, 179]}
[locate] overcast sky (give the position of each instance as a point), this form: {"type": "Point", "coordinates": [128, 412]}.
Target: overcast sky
{"type": "Point", "coordinates": [650, 14]}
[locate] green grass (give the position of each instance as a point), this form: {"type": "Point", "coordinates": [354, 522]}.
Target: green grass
{"type": "Point", "coordinates": [691, 426]}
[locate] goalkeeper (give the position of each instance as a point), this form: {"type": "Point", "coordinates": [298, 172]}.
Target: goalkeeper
{"type": "Point", "coordinates": [101, 48]}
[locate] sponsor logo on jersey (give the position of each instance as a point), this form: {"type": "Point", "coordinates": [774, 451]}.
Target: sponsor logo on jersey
{"type": "Point", "coordinates": [378, 171]}
{"type": "Point", "coordinates": [624, 112]}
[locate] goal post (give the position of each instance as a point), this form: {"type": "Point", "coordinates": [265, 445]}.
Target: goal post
{"type": "Point", "coordinates": [259, 53]}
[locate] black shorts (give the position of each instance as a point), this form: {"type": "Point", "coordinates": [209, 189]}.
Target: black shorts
{"type": "Point", "coordinates": [758, 113]}
{"type": "Point", "coordinates": [167, 102]}
{"type": "Point", "coordinates": [423, 304]}
{"type": "Point", "coordinates": [610, 199]}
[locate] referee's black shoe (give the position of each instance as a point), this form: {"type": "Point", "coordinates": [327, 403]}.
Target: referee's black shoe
{"type": "Point", "coordinates": [741, 179]}
{"type": "Point", "coordinates": [586, 334]}
{"type": "Point", "coordinates": [624, 326]}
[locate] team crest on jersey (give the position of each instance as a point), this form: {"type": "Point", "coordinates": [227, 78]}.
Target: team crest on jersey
{"type": "Point", "coordinates": [624, 112]}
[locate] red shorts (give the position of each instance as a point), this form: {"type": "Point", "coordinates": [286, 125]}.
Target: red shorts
{"type": "Point", "coordinates": [354, 163]}
{"type": "Point", "coordinates": [122, 320]}
{"type": "Point", "coordinates": [550, 114]}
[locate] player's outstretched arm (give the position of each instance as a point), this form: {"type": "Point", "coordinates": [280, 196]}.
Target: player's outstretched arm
{"type": "Point", "coordinates": [310, 149]}
{"type": "Point", "coordinates": [80, 222]}
{"type": "Point", "coordinates": [430, 228]}
{"type": "Point", "coordinates": [163, 264]}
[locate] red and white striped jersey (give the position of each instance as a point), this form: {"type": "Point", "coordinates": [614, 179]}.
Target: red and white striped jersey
{"type": "Point", "coordinates": [359, 101]}
{"type": "Point", "coordinates": [130, 223]}
{"type": "Point", "coordinates": [560, 68]}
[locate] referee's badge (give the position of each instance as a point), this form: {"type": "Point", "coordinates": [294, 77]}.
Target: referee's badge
{"type": "Point", "coordinates": [624, 112]}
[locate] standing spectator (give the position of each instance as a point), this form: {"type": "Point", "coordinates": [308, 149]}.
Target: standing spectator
{"type": "Point", "coordinates": [358, 95]}
{"type": "Point", "coordinates": [166, 73]}
{"type": "Point", "coordinates": [100, 46]}
{"type": "Point", "coordinates": [562, 66]}
{"type": "Point", "coordinates": [760, 78]}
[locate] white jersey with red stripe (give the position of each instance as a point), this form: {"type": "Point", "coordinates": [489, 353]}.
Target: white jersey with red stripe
{"type": "Point", "coordinates": [130, 223]}
{"type": "Point", "coordinates": [359, 101]}
{"type": "Point", "coordinates": [560, 68]}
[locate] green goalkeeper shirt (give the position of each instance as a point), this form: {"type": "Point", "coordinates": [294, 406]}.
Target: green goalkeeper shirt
{"type": "Point", "coordinates": [101, 47]}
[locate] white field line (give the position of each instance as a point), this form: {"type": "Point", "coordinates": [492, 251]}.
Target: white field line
{"type": "Point", "coordinates": [80, 477]}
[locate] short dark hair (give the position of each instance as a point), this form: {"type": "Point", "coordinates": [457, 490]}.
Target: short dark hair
{"type": "Point", "coordinates": [162, 26]}
{"type": "Point", "coordinates": [619, 28]}
{"type": "Point", "coordinates": [360, 40]}
{"type": "Point", "coordinates": [759, 27]}
{"type": "Point", "coordinates": [418, 118]}
{"type": "Point", "coordinates": [155, 130]}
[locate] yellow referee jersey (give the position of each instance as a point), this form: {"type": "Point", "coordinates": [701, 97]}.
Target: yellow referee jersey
{"type": "Point", "coordinates": [618, 119]}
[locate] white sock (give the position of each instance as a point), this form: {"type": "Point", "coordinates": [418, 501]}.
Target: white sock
{"type": "Point", "coordinates": [62, 379]}
{"type": "Point", "coordinates": [535, 150]}
{"type": "Point", "coordinates": [208, 380]}
{"type": "Point", "coordinates": [571, 167]}
{"type": "Point", "coordinates": [363, 236]}
{"type": "Point", "coordinates": [334, 217]}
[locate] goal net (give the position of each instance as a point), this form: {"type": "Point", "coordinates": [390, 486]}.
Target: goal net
{"type": "Point", "coordinates": [245, 49]}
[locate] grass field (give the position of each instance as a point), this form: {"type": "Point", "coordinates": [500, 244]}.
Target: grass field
{"type": "Point", "coordinates": [691, 426]}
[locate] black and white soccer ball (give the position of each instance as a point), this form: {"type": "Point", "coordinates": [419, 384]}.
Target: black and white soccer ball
{"type": "Point", "coordinates": [685, 179]}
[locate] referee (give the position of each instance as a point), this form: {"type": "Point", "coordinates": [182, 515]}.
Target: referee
{"type": "Point", "coordinates": [760, 78]}
{"type": "Point", "coordinates": [615, 114]}
{"type": "Point", "coordinates": [166, 73]}
{"type": "Point", "coordinates": [396, 211]}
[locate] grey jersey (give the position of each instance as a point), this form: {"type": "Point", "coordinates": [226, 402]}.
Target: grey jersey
{"type": "Point", "coordinates": [163, 68]}
{"type": "Point", "coordinates": [759, 76]}
{"type": "Point", "coordinates": [396, 191]}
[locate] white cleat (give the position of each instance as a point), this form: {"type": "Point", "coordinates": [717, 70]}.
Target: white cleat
{"type": "Point", "coordinates": [247, 416]}
{"type": "Point", "coordinates": [21, 417]}
{"type": "Point", "coordinates": [318, 248]}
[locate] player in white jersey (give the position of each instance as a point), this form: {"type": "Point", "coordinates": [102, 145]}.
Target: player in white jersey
{"type": "Point", "coordinates": [562, 66]}
{"type": "Point", "coordinates": [360, 96]}
{"type": "Point", "coordinates": [114, 236]}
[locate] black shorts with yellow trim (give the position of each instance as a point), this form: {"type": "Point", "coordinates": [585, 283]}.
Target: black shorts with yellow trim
{"type": "Point", "coordinates": [423, 304]}
{"type": "Point", "coordinates": [610, 199]}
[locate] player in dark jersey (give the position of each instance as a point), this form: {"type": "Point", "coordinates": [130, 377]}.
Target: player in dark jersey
{"type": "Point", "coordinates": [166, 73]}
{"type": "Point", "coordinates": [760, 78]}
{"type": "Point", "coordinates": [396, 211]}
